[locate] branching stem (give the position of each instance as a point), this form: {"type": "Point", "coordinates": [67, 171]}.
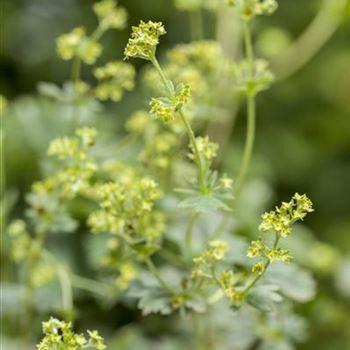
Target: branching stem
{"type": "Point", "coordinates": [266, 265]}
{"type": "Point", "coordinates": [190, 133]}
{"type": "Point", "coordinates": [153, 269]}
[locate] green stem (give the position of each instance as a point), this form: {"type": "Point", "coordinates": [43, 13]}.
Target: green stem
{"type": "Point", "coordinates": [66, 288]}
{"type": "Point", "coordinates": [248, 45]}
{"type": "Point", "coordinates": [251, 113]}
{"type": "Point", "coordinates": [249, 143]}
{"type": "Point", "coordinates": [97, 33]}
{"type": "Point", "coordinates": [196, 25]}
{"type": "Point", "coordinates": [190, 133]}
{"type": "Point", "coordinates": [172, 257]}
{"type": "Point", "coordinates": [314, 37]}
{"type": "Point", "coordinates": [266, 265]}
{"type": "Point", "coordinates": [76, 69]}
{"type": "Point", "coordinates": [152, 268]}
{"type": "Point", "coordinates": [89, 285]}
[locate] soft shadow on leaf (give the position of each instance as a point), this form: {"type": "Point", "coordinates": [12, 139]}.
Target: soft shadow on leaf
{"type": "Point", "coordinates": [152, 299]}
{"type": "Point", "coordinates": [294, 282]}
{"type": "Point", "coordinates": [264, 297]}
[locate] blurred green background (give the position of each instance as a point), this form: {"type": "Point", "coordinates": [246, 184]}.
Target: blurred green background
{"type": "Point", "coordinates": [303, 126]}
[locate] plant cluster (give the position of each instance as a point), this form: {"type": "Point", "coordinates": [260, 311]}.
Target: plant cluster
{"type": "Point", "coordinates": [59, 335]}
{"type": "Point", "coordinates": [128, 201]}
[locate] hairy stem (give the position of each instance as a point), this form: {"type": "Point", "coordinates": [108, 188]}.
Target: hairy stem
{"type": "Point", "coordinates": [76, 69]}
{"type": "Point", "coordinates": [251, 113]}
{"type": "Point", "coordinates": [66, 288]}
{"type": "Point", "coordinates": [266, 265]}
{"type": "Point", "coordinates": [152, 268]}
{"type": "Point", "coordinates": [249, 143]}
{"type": "Point", "coordinates": [190, 133]}
{"type": "Point", "coordinates": [89, 285]}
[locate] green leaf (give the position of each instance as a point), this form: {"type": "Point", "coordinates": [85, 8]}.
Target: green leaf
{"type": "Point", "coordinates": [151, 298]}
{"type": "Point", "coordinates": [293, 281]}
{"type": "Point", "coordinates": [264, 297]}
{"type": "Point", "coordinates": [203, 203]}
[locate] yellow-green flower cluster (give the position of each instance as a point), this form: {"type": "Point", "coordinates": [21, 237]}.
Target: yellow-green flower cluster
{"type": "Point", "coordinates": [26, 248]}
{"type": "Point", "coordinates": [197, 64]}
{"type": "Point", "coordinates": [215, 252]}
{"type": "Point", "coordinates": [165, 108]}
{"type": "Point", "coordinates": [226, 283]}
{"type": "Point", "coordinates": [182, 94]}
{"type": "Point", "coordinates": [144, 40]}
{"type": "Point", "coordinates": [248, 9]}
{"type": "Point", "coordinates": [252, 82]}
{"type": "Point", "coordinates": [278, 254]}
{"type": "Point", "coordinates": [256, 248]}
{"type": "Point", "coordinates": [127, 273]}
{"type": "Point", "coordinates": [77, 44]}
{"type": "Point", "coordinates": [259, 248]}
{"type": "Point", "coordinates": [138, 122]}
{"type": "Point", "coordinates": [20, 240]}
{"type": "Point", "coordinates": [60, 335]}
{"type": "Point", "coordinates": [110, 15]}
{"type": "Point", "coordinates": [225, 182]}
{"type": "Point", "coordinates": [206, 148]}
{"type": "Point", "coordinates": [159, 151]}
{"type": "Point", "coordinates": [282, 218]}
{"type": "Point", "coordinates": [114, 79]}
{"type": "Point", "coordinates": [206, 55]}
{"type": "Point", "coordinates": [127, 209]}
{"type": "Point", "coordinates": [280, 221]}
{"type": "Point", "coordinates": [74, 178]}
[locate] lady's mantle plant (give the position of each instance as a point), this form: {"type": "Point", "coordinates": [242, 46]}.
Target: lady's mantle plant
{"type": "Point", "coordinates": [59, 335]}
{"type": "Point", "coordinates": [128, 211]}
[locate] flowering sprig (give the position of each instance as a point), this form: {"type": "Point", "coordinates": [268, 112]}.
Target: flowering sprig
{"type": "Point", "coordinates": [114, 79]}
{"type": "Point", "coordinates": [280, 221]}
{"type": "Point", "coordinates": [77, 44]}
{"type": "Point", "coordinates": [252, 81]}
{"type": "Point", "coordinates": [144, 40]}
{"type": "Point", "coordinates": [74, 178]}
{"type": "Point", "coordinates": [110, 15]}
{"type": "Point", "coordinates": [85, 48]}
{"type": "Point", "coordinates": [127, 213]}
{"type": "Point", "coordinates": [59, 335]}
{"type": "Point", "coordinates": [215, 252]}
{"type": "Point", "coordinates": [232, 285]}
{"type": "Point", "coordinates": [252, 76]}
{"type": "Point", "coordinates": [26, 248]}
{"type": "Point", "coordinates": [165, 108]}
{"type": "Point", "coordinates": [248, 9]}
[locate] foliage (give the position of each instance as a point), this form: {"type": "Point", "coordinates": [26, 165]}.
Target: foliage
{"type": "Point", "coordinates": [163, 222]}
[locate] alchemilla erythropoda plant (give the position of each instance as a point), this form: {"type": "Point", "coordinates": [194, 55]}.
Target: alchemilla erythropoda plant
{"type": "Point", "coordinates": [161, 219]}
